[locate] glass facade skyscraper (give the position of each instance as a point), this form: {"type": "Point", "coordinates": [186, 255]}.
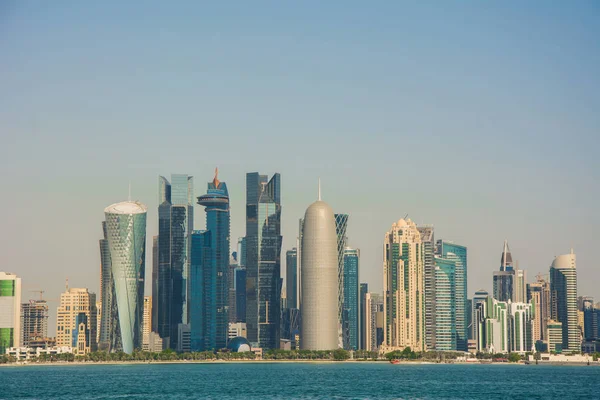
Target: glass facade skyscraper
{"type": "Point", "coordinates": [240, 294]}
{"type": "Point", "coordinates": [563, 291]}
{"type": "Point", "coordinates": [444, 248]}
{"type": "Point", "coordinates": [175, 224]}
{"type": "Point", "coordinates": [209, 290]}
{"type": "Point", "coordinates": [263, 259]}
{"type": "Point", "coordinates": [291, 277]}
{"type": "Point", "coordinates": [110, 334]}
{"type": "Point", "coordinates": [341, 224]}
{"type": "Point", "coordinates": [126, 235]}
{"type": "Point", "coordinates": [351, 299]}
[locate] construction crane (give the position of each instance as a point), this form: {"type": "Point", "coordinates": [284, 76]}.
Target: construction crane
{"type": "Point", "coordinates": [41, 292]}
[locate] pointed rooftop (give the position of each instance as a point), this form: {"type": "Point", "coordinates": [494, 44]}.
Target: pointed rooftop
{"type": "Point", "coordinates": [506, 262]}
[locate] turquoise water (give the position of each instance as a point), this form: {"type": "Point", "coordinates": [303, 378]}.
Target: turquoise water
{"type": "Point", "coordinates": [299, 380]}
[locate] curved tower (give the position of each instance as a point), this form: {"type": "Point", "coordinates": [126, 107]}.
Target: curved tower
{"type": "Point", "coordinates": [126, 235]}
{"type": "Point", "coordinates": [319, 279]}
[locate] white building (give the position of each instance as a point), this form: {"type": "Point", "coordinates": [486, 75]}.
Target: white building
{"type": "Point", "coordinates": [10, 311]}
{"type": "Point", "coordinates": [27, 353]}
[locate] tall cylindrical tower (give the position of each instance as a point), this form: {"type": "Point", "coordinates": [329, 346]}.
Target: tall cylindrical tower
{"type": "Point", "coordinates": [126, 235]}
{"type": "Point", "coordinates": [319, 274]}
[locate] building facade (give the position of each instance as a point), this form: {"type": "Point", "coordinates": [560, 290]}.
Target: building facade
{"type": "Point", "coordinates": [403, 286]}
{"type": "Point", "coordinates": [364, 289]}
{"type": "Point", "coordinates": [563, 291]}
{"type": "Point", "coordinates": [109, 336]}
{"type": "Point", "coordinates": [10, 311]}
{"type": "Point", "coordinates": [76, 320]}
{"type": "Point", "coordinates": [147, 323]}
{"type": "Point", "coordinates": [209, 286]}
{"type": "Point", "coordinates": [34, 321]}
{"type": "Point", "coordinates": [175, 224]}
{"type": "Point", "coordinates": [351, 306]}
{"type": "Point", "coordinates": [538, 294]}
{"type": "Point", "coordinates": [521, 318]}
{"type": "Point", "coordinates": [126, 233]}
{"type": "Point", "coordinates": [263, 259]}
{"type": "Point", "coordinates": [341, 225]}
{"type": "Point", "coordinates": [428, 243]}
{"type": "Point", "coordinates": [493, 332]}
{"type": "Point", "coordinates": [319, 276]}
{"type": "Point", "coordinates": [291, 277]}
{"type": "Point", "coordinates": [445, 304]}
{"type": "Point", "coordinates": [458, 253]}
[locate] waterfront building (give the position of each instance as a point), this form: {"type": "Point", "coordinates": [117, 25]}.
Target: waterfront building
{"type": "Point", "coordinates": [351, 299]}
{"type": "Point", "coordinates": [10, 311]}
{"type": "Point", "coordinates": [126, 233]}
{"type": "Point", "coordinates": [209, 283]}
{"type": "Point", "coordinates": [364, 289]}
{"type": "Point", "coordinates": [109, 327]}
{"type": "Point", "coordinates": [98, 318]}
{"type": "Point", "coordinates": [76, 320]}
{"type": "Point", "coordinates": [263, 259]}
{"type": "Point", "coordinates": [428, 243]}
{"type": "Point", "coordinates": [492, 317]}
{"type": "Point", "coordinates": [590, 319]}
{"type": "Point", "coordinates": [319, 275]}
{"type": "Point", "coordinates": [175, 224]}
{"type": "Point", "coordinates": [554, 335]}
{"type": "Point", "coordinates": [403, 287]}
{"type": "Point", "coordinates": [469, 316]}
{"type": "Point", "coordinates": [155, 343]}
{"type": "Point", "coordinates": [445, 303]}
{"type": "Point", "coordinates": [521, 315]}
{"type": "Point", "coordinates": [155, 281]}
{"type": "Point", "coordinates": [34, 322]}
{"type": "Point", "coordinates": [563, 289]}
{"type": "Point", "coordinates": [480, 296]}
{"type": "Point", "coordinates": [291, 277]}
{"type": "Point", "coordinates": [341, 225]}
{"type": "Point", "coordinates": [147, 323]}
{"type": "Point", "coordinates": [538, 294]}
{"type": "Point", "coordinates": [451, 250]}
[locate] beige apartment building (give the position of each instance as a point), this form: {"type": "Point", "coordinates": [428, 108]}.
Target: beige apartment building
{"type": "Point", "coordinates": [403, 288]}
{"type": "Point", "coordinates": [76, 320]}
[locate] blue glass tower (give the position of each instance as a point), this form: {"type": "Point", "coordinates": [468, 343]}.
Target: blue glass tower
{"type": "Point", "coordinates": [443, 248]}
{"type": "Point", "coordinates": [351, 300]}
{"type": "Point", "coordinates": [175, 224]}
{"type": "Point", "coordinates": [211, 292]}
{"type": "Point", "coordinates": [240, 294]}
{"type": "Point", "coordinates": [263, 259]}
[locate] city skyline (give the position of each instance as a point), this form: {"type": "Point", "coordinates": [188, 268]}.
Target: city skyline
{"type": "Point", "coordinates": [508, 116]}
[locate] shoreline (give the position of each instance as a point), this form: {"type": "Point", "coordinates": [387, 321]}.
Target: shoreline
{"type": "Point", "coordinates": [164, 362]}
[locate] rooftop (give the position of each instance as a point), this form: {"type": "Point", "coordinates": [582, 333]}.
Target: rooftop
{"type": "Point", "coordinates": [126, 207]}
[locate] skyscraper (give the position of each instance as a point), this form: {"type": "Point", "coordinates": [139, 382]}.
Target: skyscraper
{"type": "Point", "coordinates": [538, 294]}
{"type": "Point", "coordinates": [404, 324]}
{"type": "Point", "coordinates": [351, 299]}
{"type": "Point", "coordinates": [445, 311]}
{"type": "Point", "coordinates": [76, 320]}
{"type": "Point", "coordinates": [319, 275]}
{"type": "Point", "coordinates": [504, 279]}
{"type": "Point", "coordinates": [452, 250]}
{"type": "Point", "coordinates": [10, 311]}
{"type": "Point", "coordinates": [493, 332]}
{"type": "Point", "coordinates": [427, 238]}
{"type": "Point", "coordinates": [291, 277]}
{"type": "Point", "coordinates": [126, 234]}
{"type": "Point", "coordinates": [563, 290]}
{"type": "Point", "coordinates": [364, 289]}
{"type": "Point", "coordinates": [175, 224]}
{"type": "Point", "coordinates": [479, 297]}
{"type": "Point", "coordinates": [341, 224]}
{"type": "Point", "coordinates": [34, 321]}
{"type": "Point", "coordinates": [521, 315]}
{"type": "Point", "coordinates": [110, 335]}
{"type": "Point", "coordinates": [263, 259]}
{"type": "Point", "coordinates": [240, 294]}
{"type": "Point", "coordinates": [590, 319]}
{"type": "Point", "coordinates": [209, 289]}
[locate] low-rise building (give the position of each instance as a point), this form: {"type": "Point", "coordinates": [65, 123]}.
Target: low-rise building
{"type": "Point", "coordinates": [28, 353]}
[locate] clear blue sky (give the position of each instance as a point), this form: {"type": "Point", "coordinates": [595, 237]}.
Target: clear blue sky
{"type": "Point", "coordinates": [482, 118]}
